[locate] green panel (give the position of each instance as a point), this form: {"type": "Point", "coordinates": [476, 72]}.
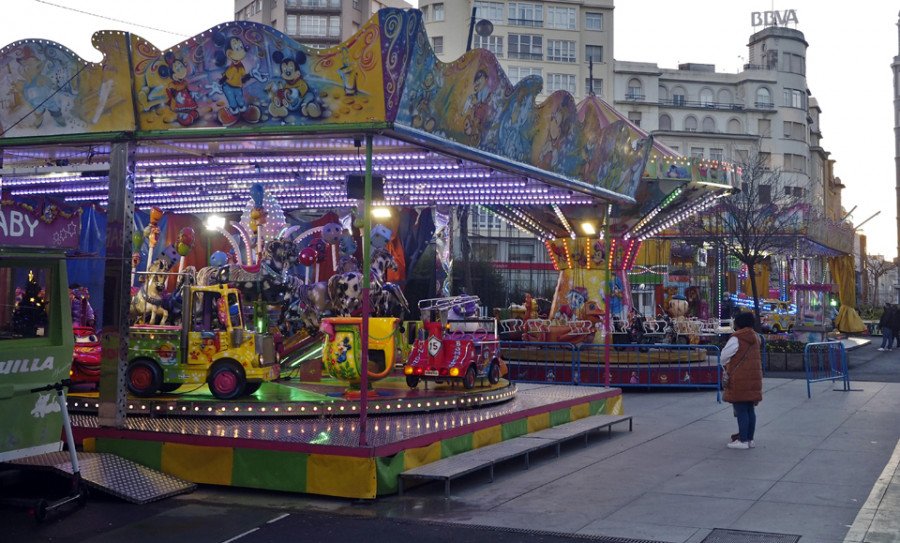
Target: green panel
{"type": "Point", "coordinates": [456, 445]}
{"type": "Point", "coordinates": [560, 416]}
{"type": "Point", "coordinates": [513, 429]}
{"type": "Point", "coordinates": [387, 468]}
{"type": "Point", "coordinates": [272, 470]}
{"type": "Point", "coordinates": [598, 407]}
{"type": "Point", "coordinates": [145, 453]}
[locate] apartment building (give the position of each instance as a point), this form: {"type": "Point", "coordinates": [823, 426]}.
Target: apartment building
{"type": "Point", "coordinates": [315, 23]}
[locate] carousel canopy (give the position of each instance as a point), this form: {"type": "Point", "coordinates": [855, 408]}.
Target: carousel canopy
{"type": "Point", "coordinates": [243, 104]}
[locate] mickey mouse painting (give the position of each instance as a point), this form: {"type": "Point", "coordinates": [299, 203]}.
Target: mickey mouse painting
{"type": "Point", "coordinates": [231, 83]}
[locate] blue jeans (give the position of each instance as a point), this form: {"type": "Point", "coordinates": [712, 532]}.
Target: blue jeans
{"type": "Point", "coordinates": [887, 338]}
{"type": "Point", "coordinates": [746, 417]}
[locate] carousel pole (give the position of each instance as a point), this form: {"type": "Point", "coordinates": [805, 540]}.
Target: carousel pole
{"type": "Point", "coordinates": [607, 317]}
{"type": "Point", "coordinates": [364, 321]}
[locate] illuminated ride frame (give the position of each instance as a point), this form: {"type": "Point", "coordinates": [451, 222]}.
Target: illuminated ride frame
{"type": "Point", "coordinates": [193, 128]}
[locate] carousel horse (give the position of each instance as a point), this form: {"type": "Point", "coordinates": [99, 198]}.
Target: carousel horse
{"type": "Point", "coordinates": [174, 302]}
{"type": "Point", "coordinates": [386, 299]}
{"type": "Point", "coordinates": [268, 280]}
{"type": "Point", "coordinates": [339, 296]}
{"type": "Point", "coordinates": [147, 302]}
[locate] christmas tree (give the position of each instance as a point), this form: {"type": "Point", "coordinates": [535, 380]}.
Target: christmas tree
{"type": "Point", "coordinates": [29, 316]}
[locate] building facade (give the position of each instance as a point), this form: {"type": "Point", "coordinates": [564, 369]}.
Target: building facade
{"type": "Point", "coordinates": [315, 23]}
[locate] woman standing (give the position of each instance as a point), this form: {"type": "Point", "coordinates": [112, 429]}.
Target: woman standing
{"type": "Point", "coordinates": [742, 362]}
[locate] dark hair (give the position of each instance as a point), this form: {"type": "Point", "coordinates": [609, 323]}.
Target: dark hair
{"type": "Point", "coordinates": [744, 320]}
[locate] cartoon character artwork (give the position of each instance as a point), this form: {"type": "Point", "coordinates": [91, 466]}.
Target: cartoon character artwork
{"type": "Point", "coordinates": [40, 89]}
{"type": "Point", "coordinates": [477, 109]}
{"type": "Point", "coordinates": [180, 99]}
{"type": "Point", "coordinates": [575, 298]}
{"type": "Point", "coordinates": [292, 94]}
{"type": "Point", "coordinates": [422, 116]}
{"type": "Point", "coordinates": [231, 83]}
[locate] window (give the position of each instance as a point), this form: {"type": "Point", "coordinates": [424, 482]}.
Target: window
{"type": "Point", "coordinates": [797, 192]}
{"type": "Point", "coordinates": [424, 13]}
{"type": "Point", "coordinates": [734, 126]}
{"type": "Point", "coordinates": [794, 98]}
{"type": "Point", "coordinates": [437, 43]}
{"type": "Point", "coordinates": [521, 251]}
{"type": "Point", "coordinates": [526, 46]}
{"type": "Point", "coordinates": [791, 62]}
{"type": "Point", "coordinates": [665, 122]}
{"type": "Point", "coordinates": [663, 94]}
{"type": "Point", "coordinates": [485, 252]}
{"type": "Point", "coordinates": [593, 52]}
{"type": "Point", "coordinates": [724, 97]}
{"type": "Point", "coordinates": [706, 98]}
{"type": "Point", "coordinates": [765, 160]}
{"type": "Point", "coordinates": [494, 44]}
{"type": "Point", "coordinates": [565, 82]}
{"type": "Point", "coordinates": [291, 26]}
{"type": "Point", "coordinates": [482, 218]}
{"type": "Point", "coordinates": [742, 157]}
{"type": "Point", "coordinates": [635, 117]}
{"type": "Point", "coordinates": [320, 3]}
{"type": "Point", "coordinates": [438, 11]}
{"type": "Point", "coordinates": [763, 98]}
{"type": "Point", "coordinates": [593, 21]}
{"type": "Point", "coordinates": [794, 163]}
{"type": "Point", "coordinates": [561, 50]}
{"type": "Point", "coordinates": [28, 317]}
{"type": "Point", "coordinates": [492, 11]}
{"type": "Point", "coordinates": [716, 154]}
{"type": "Point", "coordinates": [526, 14]}
{"type": "Point", "coordinates": [709, 124]}
{"type": "Point", "coordinates": [697, 152]}
{"type": "Point", "coordinates": [518, 73]}
{"type": "Point", "coordinates": [320, 26]}
{"type": "Point", "coordinates": [593, 85]}
{"type": "Point", "coordinates": [635, 90]}
{"type": "Point", "coordinates": [794, 131]}
{"type": "Point", "coordinates": [764, 194]}
{"type": "Point", "coordinates": [690, 124]}
{"type": "Point", "coordinates": [678, 97]}
{"type": "Point", "coordinates": [764, 128]}
{"type": "Point", "coordinates": [561, 18]}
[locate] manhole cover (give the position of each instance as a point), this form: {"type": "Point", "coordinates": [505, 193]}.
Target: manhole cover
{"type": "Point", "coordinates": [737, 536]}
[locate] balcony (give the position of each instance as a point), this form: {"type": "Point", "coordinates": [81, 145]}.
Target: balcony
{"type": "Point", "coordinates": [532, 23]}
{"type": "Point", "coordinates": [314, 6]}
{"type": "Point", "coordinates": [525, 56]}
{"type": "Point", "coordinates": [634, 96]}
{"type": "Point", "coordinates": [679, 101]}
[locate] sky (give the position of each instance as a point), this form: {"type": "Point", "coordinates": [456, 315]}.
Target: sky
{"type": "Point", "coordinates": [848, 65]}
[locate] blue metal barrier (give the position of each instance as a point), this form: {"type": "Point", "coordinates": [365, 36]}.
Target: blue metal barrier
{"type": "Point", "coordinates": [825, 361]}
{"type": "Point", "coordinates": [540, 362]}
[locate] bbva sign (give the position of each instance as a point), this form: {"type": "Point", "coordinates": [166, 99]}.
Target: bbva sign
{"type": "Point", "coordinates": [773, 18]}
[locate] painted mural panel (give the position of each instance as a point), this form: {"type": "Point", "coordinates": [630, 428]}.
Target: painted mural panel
{"type": "Point", "coordinates": [244, 74]}
{"type": "Point", "coordinates": [471, 101]}
{"type": "Point", "coordinates": [46, 89]}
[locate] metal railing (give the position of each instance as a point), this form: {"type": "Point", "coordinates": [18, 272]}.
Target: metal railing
{"type": "Point", "coordinates": [634, 365]}
{"type": "Point", "coordinates": [825, 361]}
{"type": "Point", "coordinates": [540, 362]}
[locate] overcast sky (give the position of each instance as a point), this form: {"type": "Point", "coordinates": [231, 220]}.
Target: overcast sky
{"type": "Point", "coordinates": [851, 47]}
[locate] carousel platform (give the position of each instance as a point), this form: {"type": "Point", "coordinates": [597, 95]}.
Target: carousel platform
{"type": "Point", "coordinates": [304, 442]}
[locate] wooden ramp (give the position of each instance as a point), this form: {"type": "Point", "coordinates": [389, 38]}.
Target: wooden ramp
{"type": "Point", "coordinates": [458, 465]}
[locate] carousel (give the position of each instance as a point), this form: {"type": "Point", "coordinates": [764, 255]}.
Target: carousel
{"type": "Point", "coordinates": [247, 312]}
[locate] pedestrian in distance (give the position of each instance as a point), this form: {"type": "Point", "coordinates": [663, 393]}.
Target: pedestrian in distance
{"type": "Point", "coordinates": [886, 324]}
{"type": "Point", "coordinates": [895, 324]}
{"type": "Point", "coordinates": [742, 363]}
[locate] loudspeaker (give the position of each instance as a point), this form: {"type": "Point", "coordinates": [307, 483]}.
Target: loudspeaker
{"type": "Point", "coordinates": [356, 186]}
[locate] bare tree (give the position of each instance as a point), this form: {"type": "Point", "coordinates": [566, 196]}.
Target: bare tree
{"type": "Point", "coordinates": [762, 218]}
{"type": "Point", "coordinates": [878, 267]}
